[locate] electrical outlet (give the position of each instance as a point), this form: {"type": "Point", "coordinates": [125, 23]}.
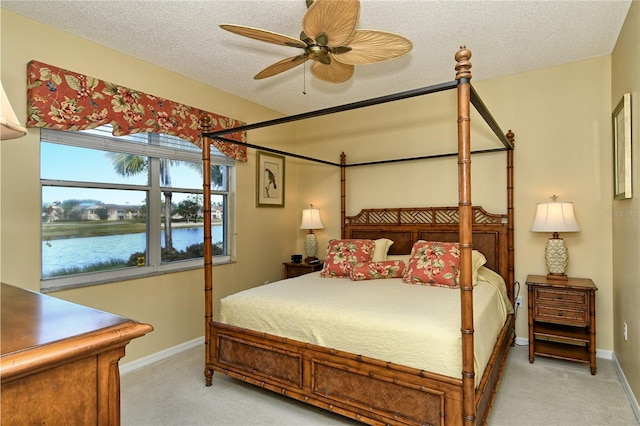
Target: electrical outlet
{"type": "Point", "coordinates": [519, 303]}
{"type": "Point", "coordinates": [624, 328]}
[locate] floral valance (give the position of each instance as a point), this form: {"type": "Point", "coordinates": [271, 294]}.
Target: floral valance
{"type": "Point", "coordinates": [65, 100]}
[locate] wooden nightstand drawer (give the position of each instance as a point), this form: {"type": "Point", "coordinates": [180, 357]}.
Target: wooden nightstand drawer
{"type": "Point", "coordinates": [561, 315]}
{"type": "Point", "coordinates": [564, 297]}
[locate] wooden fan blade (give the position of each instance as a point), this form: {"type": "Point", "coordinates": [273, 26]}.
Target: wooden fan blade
{"type": "Point", "coordinates": [335, 72]}
{"type": "Point", "coordinates": [369, 46]}
{"type": "Point", "coordinates": [281, 66]}
{"type": "Point", "coordinates": [336, 18]}
{"type": "Point", "coordinates": [263, 35]}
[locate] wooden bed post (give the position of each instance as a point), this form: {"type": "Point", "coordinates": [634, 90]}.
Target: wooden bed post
{"type": "Point", "coordinates": [510, 215]}
{"type": "Point", "coordinates": [343, 194]}
{"type": "Point", "coordinates": [205, 123]}
{"type": "Point", "coordinates": [463, 75]}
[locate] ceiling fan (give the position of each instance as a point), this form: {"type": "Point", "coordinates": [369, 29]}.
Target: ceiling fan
{"type": "Point", "coordinates": [330, 39]}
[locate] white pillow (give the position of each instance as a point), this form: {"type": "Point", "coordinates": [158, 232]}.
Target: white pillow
{"type": "Point", "coordinates": [477, 261]}
{"type": "Point", "coordinates": [403, 257]}
{"type": "Point", "coordinates": [381, 249]}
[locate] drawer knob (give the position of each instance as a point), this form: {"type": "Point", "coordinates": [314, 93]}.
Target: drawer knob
{"type": "Point", "coordinates": [559, 297]}
{"type": "Point", "coordinates": [559, 313]}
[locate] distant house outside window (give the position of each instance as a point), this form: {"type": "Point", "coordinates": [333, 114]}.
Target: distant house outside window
{"type": "Point", "coordinates": [116, 208]}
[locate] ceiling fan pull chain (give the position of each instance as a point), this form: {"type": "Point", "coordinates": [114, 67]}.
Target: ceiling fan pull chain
{"type": "Point", "coordinates": [304, 78]}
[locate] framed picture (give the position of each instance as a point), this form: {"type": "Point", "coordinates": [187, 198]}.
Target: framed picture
{"type": "Point", "coordinates": [269, 180]}
{"type": "Point", "coordinates": [622, 149]}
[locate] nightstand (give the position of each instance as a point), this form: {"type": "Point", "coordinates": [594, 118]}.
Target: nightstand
{"type": "Point", "coordinates": [296, 269]}
{"type": "Point", "coordinates": [562, 319]}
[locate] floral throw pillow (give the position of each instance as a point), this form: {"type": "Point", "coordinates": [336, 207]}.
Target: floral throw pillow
{"type": "Point", "coordinates": [434, 263]}
{"type": "Point", "coordinates": [343, 254]}
{"type": "Point", "coordinates": [377, 270]}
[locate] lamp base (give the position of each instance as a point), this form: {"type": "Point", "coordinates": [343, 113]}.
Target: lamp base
{"type": "Point", "coordinates": [310, 246]}
{"type": "Point", "coordinates": [556, 256]}
{"type": "Point", "coordinates": [557, 278]}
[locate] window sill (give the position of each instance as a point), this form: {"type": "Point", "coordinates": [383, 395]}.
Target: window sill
{"type": "Point", "coordinates": [128, 274]}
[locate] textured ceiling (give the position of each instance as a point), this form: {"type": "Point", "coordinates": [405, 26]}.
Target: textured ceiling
{"type": "Point", "coordinates": [506, 37]}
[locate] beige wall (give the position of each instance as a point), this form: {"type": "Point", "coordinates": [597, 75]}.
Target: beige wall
{"type": "Point", "coordinates": [560, 117]}
{"type": "Point", "coordinates": [626, 213]}
{"type": "Point", "coordinates": [172, 303]}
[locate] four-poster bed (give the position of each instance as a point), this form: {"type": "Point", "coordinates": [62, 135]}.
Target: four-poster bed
{"type": "Point", "coordinates": [355, 385]}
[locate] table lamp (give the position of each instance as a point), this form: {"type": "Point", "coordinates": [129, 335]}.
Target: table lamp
{"type": "Point", "coordinates": [555, 217]}
{"type": "Point", "coordinates": [311, 220]}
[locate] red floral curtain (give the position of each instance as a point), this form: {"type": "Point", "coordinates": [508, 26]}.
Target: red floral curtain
{"type": "Point", "coordinates": [65, 100]}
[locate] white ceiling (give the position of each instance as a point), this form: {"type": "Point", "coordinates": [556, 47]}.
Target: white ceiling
{"type": "Point", "coordinates": [506, 37]}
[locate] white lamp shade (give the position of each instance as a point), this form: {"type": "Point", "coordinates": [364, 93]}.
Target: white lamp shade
{"type": "Point", "coordinates": [9, 126]}
{"type": "Point", "coordinates": [311, 219]}
{"type": "Point", "coordinates": [555, 217]}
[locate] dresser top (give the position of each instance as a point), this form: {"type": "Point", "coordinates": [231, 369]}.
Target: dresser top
{"type": "Point", "coordinates": [31, 319]}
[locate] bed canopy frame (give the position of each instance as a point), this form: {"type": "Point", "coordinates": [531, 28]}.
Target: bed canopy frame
{"type": "Point", "coordinates": [466, 96]}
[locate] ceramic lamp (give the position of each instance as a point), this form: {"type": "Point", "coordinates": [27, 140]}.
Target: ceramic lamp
{"type": "Point", "coordinates": [555, 217]}
{"type": "Point", "coordinates": [311, 220]}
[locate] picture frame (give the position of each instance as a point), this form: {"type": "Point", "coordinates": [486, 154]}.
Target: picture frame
{"type": "Point", "coordinates": [270, 174]}
{"type": "Point", "coordinates": [622, 165]}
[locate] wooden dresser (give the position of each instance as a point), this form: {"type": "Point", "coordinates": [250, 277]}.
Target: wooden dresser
{"type": "Point", "coordinates": [562, 319]}
{"type": "Point", "coordinates": [59, 360]}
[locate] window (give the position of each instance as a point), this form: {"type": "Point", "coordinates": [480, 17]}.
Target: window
{"type": "Point", "coordinates": [119, 207]}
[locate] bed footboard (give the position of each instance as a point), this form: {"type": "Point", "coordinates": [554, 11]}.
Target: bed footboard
{"type": "Point", "coordinates": [357, 387]}
{"type": "Point", "coordinates": [365, 389]}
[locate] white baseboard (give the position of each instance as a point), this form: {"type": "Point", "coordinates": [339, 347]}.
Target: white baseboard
{"type": "Point", "coordinates": [604, 354]}
{"type": "Point", "coordinates": [626, 387]}
{"type": "Point", "coordinates": [159, 356]}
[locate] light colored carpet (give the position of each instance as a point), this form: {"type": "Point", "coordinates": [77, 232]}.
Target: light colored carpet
{"type": "Point", "coordinates": [551, 392]}
{"type": "Point", "coordinates": [548, 392]}
{"type": "Point", "coordinates": [172, 392]}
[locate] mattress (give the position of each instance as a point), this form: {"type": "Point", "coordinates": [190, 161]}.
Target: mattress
{"type": "Point", "coordinates": [386, 319]}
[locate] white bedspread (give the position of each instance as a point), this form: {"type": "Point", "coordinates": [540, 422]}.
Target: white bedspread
{"type": "Point", "coordinates": [411, 325]}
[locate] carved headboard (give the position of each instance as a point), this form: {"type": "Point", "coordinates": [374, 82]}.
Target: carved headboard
{"type": "Point", "coordinates": [405, 226]}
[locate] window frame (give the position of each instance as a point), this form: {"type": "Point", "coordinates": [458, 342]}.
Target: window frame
{"type": "Point", "coordinates": [105, 142]}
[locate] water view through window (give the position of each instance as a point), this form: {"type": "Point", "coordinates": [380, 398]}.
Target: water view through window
{"type": "Point", "coordinates": [82, 233]}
